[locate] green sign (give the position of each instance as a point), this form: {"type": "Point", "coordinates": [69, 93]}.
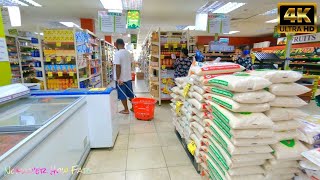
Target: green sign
{"type": "Point", "coordinates": [134, 38]}
{"type": "Point", "coordinates": [133, 19]}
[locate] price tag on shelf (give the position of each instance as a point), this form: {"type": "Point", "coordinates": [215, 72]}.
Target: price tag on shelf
{"type": "Point", "coordinates": [163, 66]}
{"type": "Point", "coordinates": [192, 147]}
{"type": "Point", "coordinates": [58, 44]}
{"type": "Point", "coordinates": [68, 58]}
{"type": "Point", "coordinates": [162, 56]}
{"type": "Point", "coordinates": [166, 45]}
{"type": "Point", "coordinates": [48, 59]}
{"type": "Point", "coordinates": [186, 90]}
{"type": "Point", "coordinates": [58, 58]}
{"type": "Point", "coordinates": [183, 45]}
{"type": "Point", "coordinates": [71, 73]}
{"type": "Point", "coordinates": [178, 107]}
{"type": "Point", "coordinates": [49, 74]}
{"type": "Point", "coordinates": [60, 74]}
{"type": "Point", "coordinates": [175, 45]}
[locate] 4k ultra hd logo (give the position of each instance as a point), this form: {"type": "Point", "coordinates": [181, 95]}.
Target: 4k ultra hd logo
{"type": "Point", "coordinates": [297, 17]}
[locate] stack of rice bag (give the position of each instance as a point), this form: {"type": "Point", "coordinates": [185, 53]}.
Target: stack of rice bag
{"type": "Point", "coordinates": [309, 131]}
{"type": "Point", "coordinates": [238, 134]}
{"type": "Point", "coordinates": [284, 113]}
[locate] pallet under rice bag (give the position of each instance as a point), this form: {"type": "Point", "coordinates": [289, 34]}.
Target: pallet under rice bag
{"type": "Point", "coordinates": [217, 68]}
{"type": "Point", "coordinates": [278, 76]}
{"type": "Point", "coordinates": [286, 135]}
{"type": "Point", "coordinates": [240, 82]}
{"type": "Point", "coordinates": [247, 133]}
{"type": "Point", "coordinates": [241, 120]}
{"type": "Point", "coordinates": [230, 148]}
{"type": "Point", "coordinates": [235, 106]}
{"type": "Point", "coordinates": [288, 89]}
{"type": "Point", "coordinates": [286, 125]}
{"type": "Point", "coordinates": [288, 101]}
{"type": "Point", "coordinates": [260, 96]}
{"type": "Point", "coordinates": [288, 150]}
{"type": "Point", "coordinates": [284, 114]}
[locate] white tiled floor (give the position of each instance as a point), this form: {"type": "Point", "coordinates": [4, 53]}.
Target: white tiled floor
{"type": "Point", "coordinates": [143, 151]}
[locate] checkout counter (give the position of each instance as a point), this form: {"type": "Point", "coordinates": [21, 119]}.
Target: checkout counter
{"type": "Point", "coordinates": [48, 135]}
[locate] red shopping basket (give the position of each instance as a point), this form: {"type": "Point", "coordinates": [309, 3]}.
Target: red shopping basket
{"type": "Point", "coordinates": [143, 108]}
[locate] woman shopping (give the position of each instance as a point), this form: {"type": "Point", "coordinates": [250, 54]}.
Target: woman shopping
{"type": "Point", "coordinates": [244, 59]}
{"type": "Point", "coordinates": [182, 64]}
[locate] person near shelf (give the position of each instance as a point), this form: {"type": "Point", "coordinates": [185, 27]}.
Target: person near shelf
{"type": "Point", "coordinates": [244, 59]}
{"type": "Point", "coordinates": [182, 65]}
{"type": "Point", "coordinates": [123, 64]}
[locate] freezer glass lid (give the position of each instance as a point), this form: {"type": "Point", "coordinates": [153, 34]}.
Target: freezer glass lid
{"type": "Point", "coordinates": [31, 112]}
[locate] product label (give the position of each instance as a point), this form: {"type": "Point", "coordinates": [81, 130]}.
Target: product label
{"type": "Point", "coordinates": [215, 173]}
{"type": "Point", "coordinates": [58, 59]}
{"type": "Point", "coordinates": [221, 115]}
{"type": "Point", "coordinates": [222, 103]}
{"type": "Point", "coordinates": [213, 138]}
{"type": "Point", "coordinates": [215, 161]}
{"type": "Point", "coordinates": [218, 82]}
{"type": "Point", "coordinates": [186, 90]}
{"type": "Point", "coordinates": [220, 67]}
{"type": "Point", "coordinates": [178, 107]}
{"type": "Point", "coordinates": [192, 147]}
{"type": "Point", "coordinates": [222, 127]}
{"type": "Point", "coordinates": [48, 59]}
{"type": "Point", "coordinates": [288, 143]}
{"type": "Point", "coordinates": [49, 74]}
{"type": "Point", "coordinates": [219, 137]}
{"type": "Point", "coordinates": [218, 155]}
{"type": "Point", "coordinates": [60, 74]}
{"type": "Point", "coordinates": [68, 58]}
{"type": "Point", "coordinates": [222, 92]}
{"type": "Point", "coordinates": [71, 73]}
{"type": "Point", "coordinates": [222, 123]}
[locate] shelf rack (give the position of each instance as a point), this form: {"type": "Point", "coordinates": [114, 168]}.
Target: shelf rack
{"type": "Point", "coordinates": [107, 51]}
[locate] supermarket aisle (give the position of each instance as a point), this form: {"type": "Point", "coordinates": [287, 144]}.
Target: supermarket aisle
{"type": "Point", "coordinates": [143, 151]}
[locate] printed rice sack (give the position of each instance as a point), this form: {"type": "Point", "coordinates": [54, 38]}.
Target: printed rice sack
{"type": "Point", "coordinates": [287, 164]}
{"type": "Point", "coordinates": [288, 150]}
{"type": "Point", "coordinates": [288, 89]}
{"type": "Point", "coordinates": [260, 96]}
{"type": "Point", "coordinates": [217, 68]}
{"type": "Point", "coordinates": [235, 106]}
{"type": "Point", "coordinates": [278, 76]}
{"type": "Point", "coordinates": [309, 131]}
{"type": "Point", "coordinates": [286, 135]}
{"type": "Point", "coordinates": [286, 125]}
{"type": "Point", "coordinates": [284, 114]}
{"type": "Point", "coordinates": [240, 120]}
{"type": "Point", "coordinates": [241, 82]}
{"type": "Point", "coordinates": [198, 96]}
{"type": "Point", "coordinates": [201, 106]}
{"type": "Point", "coordinates": [204, 80]}
{"type": "Point", "coordinates": [288, 101]}
{"type": "Point", "coordinates": [199, 89]}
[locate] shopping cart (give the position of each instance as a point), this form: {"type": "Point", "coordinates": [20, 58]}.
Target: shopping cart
{"type": "Point", "coordinates": [143, 108]}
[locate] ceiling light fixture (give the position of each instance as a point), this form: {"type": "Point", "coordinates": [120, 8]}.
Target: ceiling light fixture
{"type": "Point", "coordinates": [112, 4]}
{"type": "Point", "coordinates": [132, 4]}
{"type": "Point", "coordinates": [33, 3]}
{"type": "Point", "coordinates": [232, 32]}
{"type": "Point", "coordinates": [272, 21]}
{"type": "Point", "coordinates": [230, 6]}
{"type": "Point", "coordinates": [270, 12]}
{"type": "Point", "coordinates": [14, 3]}
{"type": "Point", "coordinates": [201, 22]}
{"type": "Point", "coordinates": [70, 24]}
{"type": "Point", "coordinates": [14, 14]}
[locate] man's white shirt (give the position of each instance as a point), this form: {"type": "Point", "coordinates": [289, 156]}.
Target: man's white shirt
{"type": "Point", "coordinates": [123, 58]}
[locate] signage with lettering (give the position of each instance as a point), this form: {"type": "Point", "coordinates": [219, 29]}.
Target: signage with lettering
{"type": "Point", "coordinates": [300, 39]}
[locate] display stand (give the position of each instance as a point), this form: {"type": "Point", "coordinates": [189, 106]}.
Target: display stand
{"type": "Point", "coordinates": [72, 59]}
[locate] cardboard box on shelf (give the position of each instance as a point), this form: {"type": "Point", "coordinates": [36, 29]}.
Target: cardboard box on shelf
{"type": "Point", "coordinates": [140, 75]}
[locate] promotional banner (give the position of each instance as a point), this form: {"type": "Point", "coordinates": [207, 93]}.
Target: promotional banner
{"type": "Point", "coordinates": [218, 23]}
{"type": "Point", "coordinates": [110, 22]}
{"type": "Point", "coordinates": [133, 20]}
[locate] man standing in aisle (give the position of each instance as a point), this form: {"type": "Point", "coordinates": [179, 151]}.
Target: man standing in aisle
{"type": "Point", "coordinates": [122, 65]}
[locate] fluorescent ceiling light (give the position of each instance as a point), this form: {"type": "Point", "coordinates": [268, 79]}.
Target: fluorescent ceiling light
{"type": "Point", "coordinates": [132, 4]}
{"type": "Point", "coordinates": [272, 21]}
{"type": "Point", "coordinates": [230, 6]}
{"type": "Point", "coordinates": [232, 32]}
{"type": "Point", "coordinates": [270, 12]}
{"type": "Point", "coordinates": [190, 28]}
{"type": "Point", "coordinates": [69, 24]}
{"type": "Point", "coordinates": [33, 3]}
{"type": "Point", "coordinates": [14, 14]}
{"type": "Point", "coordinates": [112, 4]}
{"type": "Point", "coordinates": [15, 2]}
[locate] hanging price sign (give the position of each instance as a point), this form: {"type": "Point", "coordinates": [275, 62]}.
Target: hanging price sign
{"type": "Point", "coordinates": [68, 58]}
{"type": "Point", "coordinates": [48, 59]}
{"type": "Point", "coordinates": [186, 90]}
{"type": "Point", "coordinates": [71, 73]}
{"type": "Point", "coordinates": [192, 147]}
{"type": "Point", "coordinates": [58, 59]}
{"type": "Point", "coordinates": [49, 74]}
{"type": "Point", "coordinates": [60, 74]}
